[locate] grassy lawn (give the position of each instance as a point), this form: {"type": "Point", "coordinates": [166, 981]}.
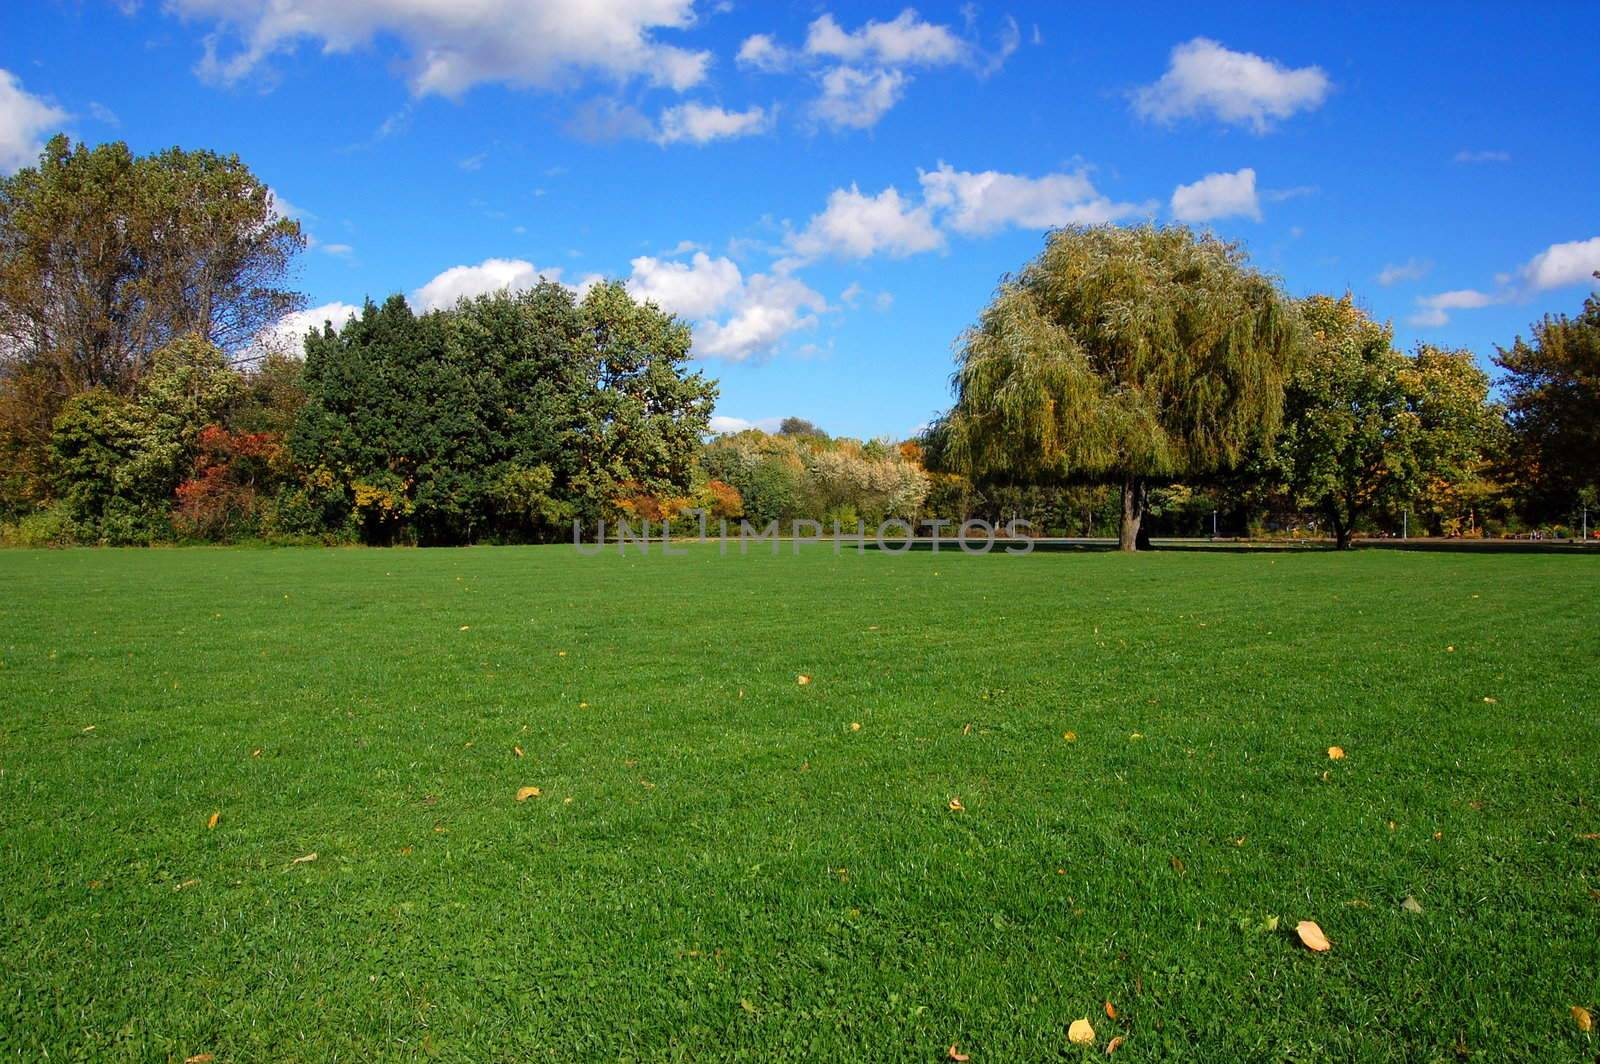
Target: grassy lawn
{"type": "Point", "coordinates": [720, 865]}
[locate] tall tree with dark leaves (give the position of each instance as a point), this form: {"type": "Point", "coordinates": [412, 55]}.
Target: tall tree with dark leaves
{"type": "Point", "coordinates": [1552, 389]}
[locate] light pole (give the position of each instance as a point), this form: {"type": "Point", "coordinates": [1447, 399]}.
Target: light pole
{"type": "Point", "coordinates": [1405, 524]}
{"type": "Point", "coordinates": [1213, 524]}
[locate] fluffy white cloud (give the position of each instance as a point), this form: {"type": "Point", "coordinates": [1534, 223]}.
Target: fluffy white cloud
{"type": "Point", "coordinates": [756, 314]}
{"type": "Point", "coordinates": [456, 44]}
{"type": "Point", "coordinates": [1557, 266]}
{"type": "Point", "coordinates": [760, 52]}
{"type": "Point", "coordinates": [1235, 87]}
{"type": "Point", "coordinates": [1560, 265]}
{"type": "Point", "coordinates": [1409, 270]}
{"type": "Point", "coordinates": [857, 99]}
{"type": "Point", "coordinates": [24, 121]}
{"type": "Point", "coordinates": [288, 335]}
{"type": "Point", "coordinates": [701, 124]}
{"type": "Point", "coordinates": [1434, 310]}
{"type": "Point", "coordinates": [490, 275]}
{"type": "Point", "coordinates": [1483, 156]}
{"type": "Point", "coordinates": [695, 289]}
{"type": "Point", "coordinates": [862, 72]}
{"type": "Point", "coordinates": [1217, 196]}
{"type": "Point", "coordinates": [771, 307]}
{"type": "Point", "coordinates": [905, 41]}
{"type": "Point", "coordinates": [854, 225]}
{"type": "Point", "coordinates": [979, 203]}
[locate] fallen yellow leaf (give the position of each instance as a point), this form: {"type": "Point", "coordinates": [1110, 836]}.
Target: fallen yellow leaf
{"type": "Point", "coordinates": [956, 806]}
{"type": "Point", "coordinates": [802, 679]}
{"type": "Point", "coordinates": [256, 752]}
{"type": "Point", "coordinates": [1312, 936]}
{"type": "Point", "coordinates": [1335, 753]}
{"type": "Point", "coordinates": [213, 821]}
{"type": "Point", "coordinates": [1136, 735]}
{"type": "Point", "coordinates": [304, 860]}
{"type": "Point", "coordinates": [561, 653]}
{"type": "Point", "coordinates": [186, 883]}
{"type": "Point", "coordinates": [855, 725]}
{"type": "Point", "coordinates": [955, 1056]}
{"type": "Point", "coordinates": [1080, 1033]}
{"type": "Point", "coordinates": [527, 792]}
{"type": "Point", "coordinates": [1581, 1017]}
{"type": "Point", "coordinates": [199, 1058]}
{"type": "Point", "coordinates": [517, 750]}
{"type": "Point", "coordinates": [1111, 1011]}
{"type": "Point", "coordinates": [1070, 736]}
{"type": "Point", "coordinates": [1114, 1045]}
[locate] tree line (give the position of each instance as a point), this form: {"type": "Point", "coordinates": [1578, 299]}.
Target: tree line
{"type": "Point", "coordinates": [1136, 379]}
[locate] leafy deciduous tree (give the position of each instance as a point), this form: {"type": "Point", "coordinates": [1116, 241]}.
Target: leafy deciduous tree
{"type": "Point", "coordinates": [1123, 354]}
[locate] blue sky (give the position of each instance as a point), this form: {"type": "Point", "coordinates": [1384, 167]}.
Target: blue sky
{"type": "Point", "coordinates": [830, 192]}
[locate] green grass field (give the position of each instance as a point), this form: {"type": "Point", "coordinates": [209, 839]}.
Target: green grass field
{"type": "Point", "coordinates": [719, 865]}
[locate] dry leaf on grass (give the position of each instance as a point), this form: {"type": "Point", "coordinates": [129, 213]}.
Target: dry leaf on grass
{"type": "Point", "coordinates": [1114, 1045]}
{"type": "Point", "coordinates": [956, 806]}
{"type": "Point", "coordinates": [186, 884]}
{"type": "Point", "coordinates": [199, 1058]}
{"type": "Point", "coordinates": [1581, 1017]}
{"type": "Point", "coordinates": [1312, 936]}
{"type": "Point", "coordinates": [956, 1056]}
{"type": "Point", "coordinates": [517, 750]}
{"type": "Point", "coordinates": [528, 792]}
{"type": "Point", "coordinates": [802, 679]}
{"type": "Point", "coordinates": [307, 859]}
{"type": "Point", "coordinates": [212, 822]}
{"type": "Point", "coordinates": [1111, 1011]}
{"type": "Point", "coordinates": [1411, 905]}
{"type": "Point", "coordinates": [1070, 736]}
{"type": "Point", "coordinates": [1080, 1033]}
{"type": "Point", "coordinates": [256, 752]}
{"type": "Point", "coordinates": [855, 725]}
{"type": "Point", "coordinates": [1335, 753]}
{"type": "Point", "coordinates": [90, 728]}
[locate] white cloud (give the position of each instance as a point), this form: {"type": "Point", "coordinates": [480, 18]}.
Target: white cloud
{"type": "Point", "coordinates": [851, 294]}
{"type": "Point", "coordinates": [1217, 196]}
{"type": "Point", "coordinates": [1560, 265]}
{"type": "Point", "coordinates": [862, 72]}
{"type": "Point", "coordinates": [1557, 266]}
{"type": "Point", "coordinates": [721, 424]}
{"type": "Point", "coordinates": [905, 41]}
{"type": "Point", "coordinates": [338, 249]}
{"type": "Point", "coordinates": [288, 335]}
{"type": "Point", "coordinates": [25, 119]}
{"type": "Point", "coordinates": [101, 113]}
{"type": "Point", "coordinates": [760, 52]}
{"type": "Point", "coordinates": [759, 311]}
{"type": "Point", "coordinates": [695, 289]}
{"type": "Point", "coordinates": [771, 307]}
{"type": "Point", "coordinates": [981, 203]}
{"type": "Point", "coordinates": [490, 275]}
{"type": "Point", "coordinates": [701, 124]}
{"type": "Point", "coordinates": [1409, 270]}
{"type": "Point", "coordinates": [857, 226]}
{"type": "Point", "coordinates": [857, 99]}
{"type": "Point", "coordinates": [1483, 156]}
{"type": "Point", "coordinates": [454, 45]}
{"type": "Point", "coordinates": [1235, 87]}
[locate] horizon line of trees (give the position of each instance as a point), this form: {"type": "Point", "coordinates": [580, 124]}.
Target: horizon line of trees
{"type": "Point", "coordinates": [1140, 378]}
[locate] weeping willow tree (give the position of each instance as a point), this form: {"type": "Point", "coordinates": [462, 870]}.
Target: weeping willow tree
{"type": "Point", "coordinates": [1123, 355]}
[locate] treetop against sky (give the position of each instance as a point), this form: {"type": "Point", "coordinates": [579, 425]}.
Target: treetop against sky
{"type": "Point", "coordinates": [830, 194]}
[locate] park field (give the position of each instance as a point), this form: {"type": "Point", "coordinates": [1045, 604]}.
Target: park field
{"type": "Point", "coordinates": [722, 863]}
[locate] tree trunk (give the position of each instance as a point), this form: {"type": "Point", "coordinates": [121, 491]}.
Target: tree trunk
{"type": "Point", "coordinates": [1341, 528]}
{"type": "Point", "coordinates": [1129, 536]}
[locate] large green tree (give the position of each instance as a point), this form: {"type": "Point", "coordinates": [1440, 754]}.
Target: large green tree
{"type": "Point", "coordinates": [1370, 430]}
{"type": "Point", "coordinates": [1552, 389]}
{"type": "Point", "coordinates": [502, 415]}
{"type": "Point", "coordinates": [106, 257]}
{"type": "Point", "coordinates": [1123, 355]}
